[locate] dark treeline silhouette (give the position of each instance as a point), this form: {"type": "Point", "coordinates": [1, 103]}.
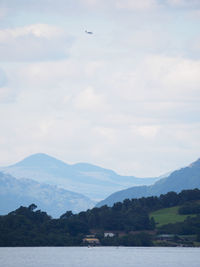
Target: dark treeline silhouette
{"type": "Point", "coordinates": [27, 226]}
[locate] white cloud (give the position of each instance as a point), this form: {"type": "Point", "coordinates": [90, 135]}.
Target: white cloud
{"type": "Point", "coordinates": [184, 3]}
{"type": "Point", "coordinates": [159, 78]}
{"type": "Point", "coordinates": [33, 42]}
{"type": "Point", "coordinates": [194, 46]}
{"type": "Point", "coordinates": [37, 30]}
{"type": "Point", "coordinates": [137, 5]}
{"type": "Point", "coordinates": [122, 4]}
{"type": "Point", "coordinates": [4, 94]}
{"type": "Point", "coordinates": [68, 7]}
{"type": "Point", "coordinates": [195, 14]}
{"type": "Point", "coordinates": [88, 99]}
{"type": "Point", "coordinates": [91, 2]}
{"type": "Point", "coordinates": [141, 5]}
{"type": "Point", "coordinates": [3, 78]}
{"type": "Point", "coordinates": [147, 131]}
{"type": "Point", "coordinates": [106, 134]}
{"type": "Point", "coordinates": [3, 13]}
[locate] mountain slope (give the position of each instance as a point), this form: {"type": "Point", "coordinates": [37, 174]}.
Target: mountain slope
{"type": "Point", "coordinates": [16, 192]}
{"type": "Point", "coordinates": [185, 178]}
{"type": "Point", "coordinates": [90, 180]}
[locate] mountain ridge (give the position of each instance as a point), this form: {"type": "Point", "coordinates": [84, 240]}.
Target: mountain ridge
{"type": "Point", "coordinates": [16, 192]}
{"type": "Point", "coordinates": [93, 181]}
{"type": "Point", "coordinates": [184, 178]}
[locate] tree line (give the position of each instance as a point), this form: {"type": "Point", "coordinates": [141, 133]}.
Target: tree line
{"type": "Point", "coordinates": [27, 226]}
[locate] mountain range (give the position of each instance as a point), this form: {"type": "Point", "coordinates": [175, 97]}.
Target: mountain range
{"type": "Point", "coordinates": [93, 181]}
{"type": "Point", "coordinates": [55, 186]}
{"type": "Point", "coordinates": [185, 178]}
{"type": "Point", "coordinates": [23, 192]}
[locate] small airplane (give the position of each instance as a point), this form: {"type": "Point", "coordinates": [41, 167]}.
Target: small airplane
{"type": "Point", "coordinates": [88, 32]}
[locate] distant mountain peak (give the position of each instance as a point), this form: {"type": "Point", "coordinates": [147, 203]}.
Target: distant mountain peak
{"type": "Point", "coordinates": [39, 159]}
{"type": "Point", "coordinates": [39, 156]}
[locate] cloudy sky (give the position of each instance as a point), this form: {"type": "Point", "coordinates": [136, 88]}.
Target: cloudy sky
{"type": "Point", "coordinates": [125, 98]}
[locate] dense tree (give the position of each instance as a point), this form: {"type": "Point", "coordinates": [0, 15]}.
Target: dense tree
{"type": "Point", "coordinates": [190, 208]}
{"type": "Point", "coordinates": [27, 226]}
{"type": "Point", "coordinates": [189, 227]}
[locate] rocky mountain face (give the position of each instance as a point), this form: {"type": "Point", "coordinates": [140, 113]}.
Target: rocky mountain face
{"type": "Point", "coordinates": [94, 182]}
{"type": "Point", "coordinates": [185, 178]}
{"type": "Point", "coordinates": [23, 192]}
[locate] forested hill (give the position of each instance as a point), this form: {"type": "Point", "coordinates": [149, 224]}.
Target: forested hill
{"type": "Point", "coordinates": [183, 179]}
{"type": "Point", "coordinates": [27, 226]}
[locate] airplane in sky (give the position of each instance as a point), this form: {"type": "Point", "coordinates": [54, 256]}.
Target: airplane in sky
{"type": "Point", "coordinates": [88, 32]}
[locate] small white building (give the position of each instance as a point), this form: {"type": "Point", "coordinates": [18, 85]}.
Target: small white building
{"type": "Point", "coordinates": [109, 234]}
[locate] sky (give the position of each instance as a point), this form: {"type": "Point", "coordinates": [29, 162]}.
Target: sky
{"type": "Point", "coordinates": [126, 98]}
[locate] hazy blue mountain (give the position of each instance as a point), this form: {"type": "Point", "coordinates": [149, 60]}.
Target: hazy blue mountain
{"type": "Point", "coordinates": [185, 178]}
{"type": "Point", "coordinates": [90, 180]}
{"type": "Point", "coordinates": [23, 192]}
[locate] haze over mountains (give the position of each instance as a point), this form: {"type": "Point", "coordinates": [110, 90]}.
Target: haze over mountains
{"type": "Point", "coordinates": [55, 186]}
{"type": "Point", "coordinates": [23, 192]}
{"type": "Point", "coordinates": [94, 182]}
{"type": "Point", "coordinates": [185, 178]}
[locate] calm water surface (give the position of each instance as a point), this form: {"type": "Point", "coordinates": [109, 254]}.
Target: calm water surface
{"type": "Point", "coordinates": [99, 257]}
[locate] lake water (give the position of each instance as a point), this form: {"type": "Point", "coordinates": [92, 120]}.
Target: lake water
{"type": "Point", "coordinates": [99, 257]}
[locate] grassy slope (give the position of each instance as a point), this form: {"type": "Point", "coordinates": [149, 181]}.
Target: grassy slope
{"type": "Point", "coordinates": [168, 215]}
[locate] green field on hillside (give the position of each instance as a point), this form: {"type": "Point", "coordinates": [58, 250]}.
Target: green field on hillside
{"type": "Point", "coordinates": [168, 215]}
